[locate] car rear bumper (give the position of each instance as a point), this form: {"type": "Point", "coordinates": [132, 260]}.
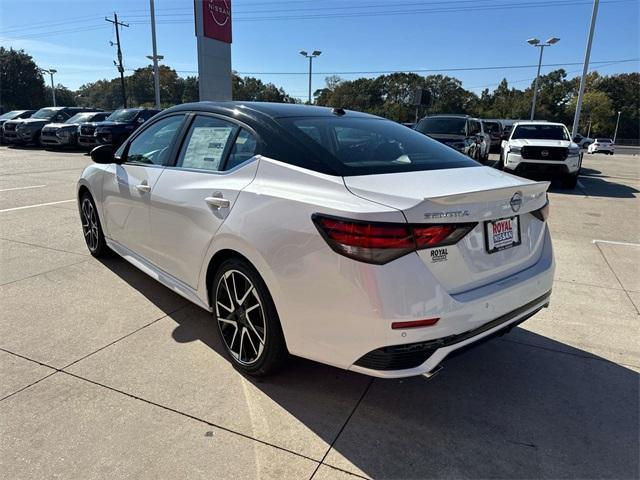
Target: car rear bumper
{"type": "Point", "coordinates": [424, 357]}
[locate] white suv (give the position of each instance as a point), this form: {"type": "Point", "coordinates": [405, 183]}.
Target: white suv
{"type": "Point", "coordinates": [542, 147]}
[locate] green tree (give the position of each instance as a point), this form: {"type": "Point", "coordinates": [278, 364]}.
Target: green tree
{"type": "Point", "coordinates": [142, 87]}
{"type": "Point", "coordinates": [104, 94]}
{"type": "Point", "coordinates": [190, 90]}
{"type": "Point", "coordinates": [253, 89]}
{"type": "Point", "coordinates": [21, 84]}
{"type": "Point", "coordinates": [597, 108]}
{"type": "Point", "coordinates": [64, 96]}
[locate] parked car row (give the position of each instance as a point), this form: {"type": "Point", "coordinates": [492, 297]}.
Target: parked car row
{"type": "Point", "coordinates": [525, 147]}
{"type": "Point", "coordinates": [56, 127]}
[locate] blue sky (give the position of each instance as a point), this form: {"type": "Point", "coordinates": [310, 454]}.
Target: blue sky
{"type": "Point", "coordinates": [353, 35]}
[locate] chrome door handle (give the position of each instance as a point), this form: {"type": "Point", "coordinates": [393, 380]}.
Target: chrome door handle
{"type": "Point", "coordinates": [218, 202]}
{"type": "Point", "coordinates": [143, 187]}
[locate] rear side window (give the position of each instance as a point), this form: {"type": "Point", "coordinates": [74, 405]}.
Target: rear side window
{"type": "Point", "coordinates": [367, 146]}
{"type": "Point", "coordinates": [206, 144]}
{"type": "Point", "coordinates": [243, 149]}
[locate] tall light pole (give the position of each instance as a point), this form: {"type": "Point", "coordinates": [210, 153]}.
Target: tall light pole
{"type": "Point", "coordinates": [155, 57]}
{"type": "Point", "coordinates": [51, 71]}
{"type": "Point", "coordinates": [536, 43]}
{"type": "Point", "coordinates": [615, 133]}
{"type": "Point", "coordinates": [585, 68]}
{"type": "Point", "coordinates": [311, 56]}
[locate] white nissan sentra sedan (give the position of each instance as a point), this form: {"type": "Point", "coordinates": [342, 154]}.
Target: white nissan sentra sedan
{"type": "Point", "coordinates": [324, 233]}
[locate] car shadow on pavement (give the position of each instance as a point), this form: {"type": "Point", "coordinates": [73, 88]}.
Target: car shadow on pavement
{"type": "Point", "coordinates": [519, 406]}
{"type": "Point", "coordinates": [594, 186]}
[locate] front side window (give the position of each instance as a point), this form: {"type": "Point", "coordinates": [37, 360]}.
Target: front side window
{"type": "Point", "coordinates": [540, 132]}
{"type": "Point", "coordinates": [365, 146]}
{"type": "Point", "coordinates": [154, 144]}
{"type": "Point", "coordinates": [206, 144]}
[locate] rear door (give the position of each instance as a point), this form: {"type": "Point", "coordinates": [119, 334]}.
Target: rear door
{"type": "Point", "coordinates": [127, 188]}
{"type": "Point", "coordinates": [193, 197]}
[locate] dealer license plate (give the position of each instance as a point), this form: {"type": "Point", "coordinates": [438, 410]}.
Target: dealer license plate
{"type": "Point", "coordinates": [502, 234]}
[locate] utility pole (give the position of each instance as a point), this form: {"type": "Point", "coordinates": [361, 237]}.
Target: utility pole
{"type": "Point", "coordinates": [615, 133]}
{"type": "Point", "coordinates": [119, 64]}
{"type": "Point", "coordinates": [155, 58]}
{"type": "Point", "coordinates": [585, 69]}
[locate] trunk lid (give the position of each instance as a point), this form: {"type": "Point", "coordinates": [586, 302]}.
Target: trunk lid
{"type": "Point", "coordinates": [464, 195]}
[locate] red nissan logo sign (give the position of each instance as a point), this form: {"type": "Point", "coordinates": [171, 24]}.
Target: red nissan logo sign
{"type": "Point", "coordinates": [217, 19]}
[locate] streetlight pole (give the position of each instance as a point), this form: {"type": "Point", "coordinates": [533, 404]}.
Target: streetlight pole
{"type": "Point", "coordinates": [311, 56]}
{"type": "Point", "coordinates": [585, 68]}
{"type": "Point", "coordinates": [155, 58]}
{"type": "Point", "coordinates": [615, 133]}
{"type": "Point", "coordinates": [536, 43]}
{"type": "Point", "coordinates": [51, 71]}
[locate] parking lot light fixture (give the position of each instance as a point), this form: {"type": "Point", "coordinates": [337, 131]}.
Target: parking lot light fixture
{"type": "Point", "coordinates": [536, 43]}
{"type": "Point", "coordinates": [51, 71]}
{"type": "Point", "coordinates": [311, 56]}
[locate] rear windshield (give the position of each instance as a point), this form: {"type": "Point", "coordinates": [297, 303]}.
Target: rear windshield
{"type": "Point", "coordinates": [603, 140]}
{"type": "Point", "coordinates": [442, 125]}
{"type": "Point", "coordinates": [368, 146]}
{"type": "Point", "coordinates": [122, 115]}
{"type": "Point", "coordinates": [540, 132]}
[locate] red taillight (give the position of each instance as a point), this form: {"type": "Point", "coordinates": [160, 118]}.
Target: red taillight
{"type": "Point", "coordinates": [380, 243]}
{"type": "Point", "coordinates": [414, 324]}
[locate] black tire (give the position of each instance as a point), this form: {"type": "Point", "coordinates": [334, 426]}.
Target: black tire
{"type": "Point", "coordinates": [237, 279]}
{"type": "Point", "coordinates": [569, 181]}
{"type": "Point", "coordinates": [91, 227]}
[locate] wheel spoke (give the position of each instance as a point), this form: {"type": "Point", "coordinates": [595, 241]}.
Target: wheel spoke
{"type": "Point", "coordinates": [251, 341]}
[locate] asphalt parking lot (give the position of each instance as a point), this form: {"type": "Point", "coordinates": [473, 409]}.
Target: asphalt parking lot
{"type": "Point", "coordinates": [107, 374]}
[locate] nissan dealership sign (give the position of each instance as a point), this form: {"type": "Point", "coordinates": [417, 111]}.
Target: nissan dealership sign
{"type": "Point", "coordinates": [213, 33]}
{"type": "Point", "coordinates": [217, 19]}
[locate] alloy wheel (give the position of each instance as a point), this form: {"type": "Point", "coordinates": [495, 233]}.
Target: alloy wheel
{"type": "Point", "coordinates": [240, 316]}
{"type": "Point", "coordinates": [90, 224]}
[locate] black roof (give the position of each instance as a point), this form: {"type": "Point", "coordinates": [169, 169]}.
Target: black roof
{"type": "Point", "coordinates": [269, 109]}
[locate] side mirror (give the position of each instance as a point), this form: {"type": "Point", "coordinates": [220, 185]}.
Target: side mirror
{"type": "Point", "coordinates": [103, 154]}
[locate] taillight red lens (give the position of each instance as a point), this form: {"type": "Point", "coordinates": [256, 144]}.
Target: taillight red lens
{"type": "Point", "coordinates": [380, 243]}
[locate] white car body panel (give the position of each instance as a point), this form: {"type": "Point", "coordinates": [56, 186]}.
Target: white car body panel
{"type": "Point", "coordinates": [333, 309]}
{"type": "Point", "coordinates": [598, 146]}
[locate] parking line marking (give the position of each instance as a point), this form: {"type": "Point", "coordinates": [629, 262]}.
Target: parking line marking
{"type": "Point", "coordinates": [612, 242]}
{"type": "Point", "coordinates": [34, 206]}
{"type": "Point", "coordinates": [21, 188]}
